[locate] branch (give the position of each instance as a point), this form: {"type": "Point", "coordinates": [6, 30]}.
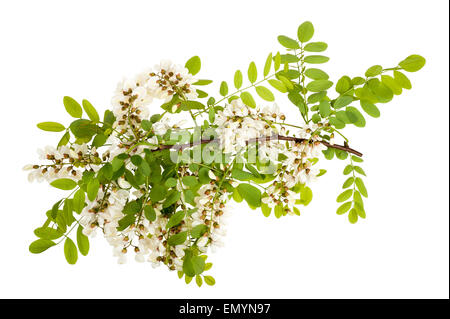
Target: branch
{"type": "Point", "coordinates": [262, 139]}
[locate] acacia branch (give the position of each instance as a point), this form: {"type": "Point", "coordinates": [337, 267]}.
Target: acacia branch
{"type": "Point", "coordinates": [262, 139]}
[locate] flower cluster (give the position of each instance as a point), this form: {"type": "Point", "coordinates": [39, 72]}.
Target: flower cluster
{"type": "Point", "coordinates": [64, 162]}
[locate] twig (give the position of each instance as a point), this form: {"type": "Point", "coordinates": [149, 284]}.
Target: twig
{"type": "Point", "coordinates": [262, 139]}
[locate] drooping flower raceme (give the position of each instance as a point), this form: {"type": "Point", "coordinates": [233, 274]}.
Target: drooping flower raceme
{"type": "Point", "coordinates": [158, 187]}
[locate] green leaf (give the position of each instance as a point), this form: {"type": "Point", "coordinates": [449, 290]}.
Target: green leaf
{"type": "Point", "coordinates": [316, 47]}
{"type": "Point", "coordinates": [198, 280]}
{"type": "Point", "coordinates": [247, 99]}
{"type": "Point", "coordinates": [344, 208]}
{"type": "Point", "coordinates": [357, 159]}
{"type": "Point", "coordinates": [193, 265]}
{"type": "Point", "coordinates": [365, 94]}
{"type": "Point", "coordinates": [359, 170]}
{"type": "Point", "coordinates": [157, 193]}
{"type": "Point", "coordinates": [126, 221]}
{"type": "Point", "coordinates": [344, 195]}
{"type": "Point", "coordinates": [298, 101]}
{"type": "Point", "coordinates": [344, 84]}
{"type": "Point", "coordinates": [99, 140]}
{"type": "Point", "coordinates": [336, 123]}
{"type": "Point", "coordinates": [268, 64]}
{"type": "Point", "coordinates": [353, 216]}
{"type": "Point", "coordinates": [208, 266]}
{"type": "Point", "coordinates": [64, 140]}
{"type": "Point", "coordinates": [84, 129]}
{"type": "Point", "coordinates": [65, 184]}
{"type": "Point", "coordinates": [251, 194]}
{"type": "Point", "coordinates": [223, 88]}
{"type": "Point", "coordinates": [361, 187]}
{"type": "Point", "coordinates": [348, 169]}
{"type": "Point", "coordinates": [279, 85]}
{"type": "Point", "coordinates": [265, 93]}
{"type": "Point", "coordinates": [192, 105]}
{"type": "Point", "coordinates": [348, 182]}
{"type": "Point", "coordinates": [51, 126]}
{"type": "Point", "coordinates": [241, 175]}
{"type": "Point", "coordinates": [82, 241]}
{"type": "Point", "coordinates": [40, 245]}
{"type": "Point", "coordinates": [78, 201]}
{"type": "Point", "coordinates": [266, 209]}
{"type": "Point", "coordinates": [175, 219]}
{"type": "Point", "coordinates": [198, 231]}
{"type": "Point", "coordinates": [402, 80]}
{"type": "Point", "coordinates": [190, 181]}
{"type": "Point", "coordinates": [188, 279]}
{"type": "Point", "coordinates": [288, 42]}
{"type": "Point", "coordinates": [342, 155]}
{"type": "Point", "coordinates": [238, 79]}
{"type": "Point", "coordinates": [149, 213]}
{"type": "Point", "coordinates": [383, 93]}
{"type": "Point", "coordinates": [305, 31]}
{"type": "Point", "coordinates": [306, 196]}
{"type": "Point", "coordinates": [211, 114]}
{"type": "Point", "coordinates": [342, 101]}
{"type": "Point", "coordinates": [278, 211]}
{"type": "Point", "coordinates": [412, 63]}
{"type": "Point", "coordinates": [177, 239]}
{"type": "Point", "coordinates": [90, 111]}
{"type": "Point", "coordinates": [202, 82]}
{"type": "Point", "coordinates": [131, 207]}
{"type": "Point", "coordinates": [324, 109]}
{"type": "Point", "coordinates": [316, 74]}
{"type": "Point", "coordinates": [319, 85]}
{"type": "Point", "coordinates": [370, 108]}
{"type": "Point", "coordinates": [357, 80]}
{"type": "Point", "coordinates": [289, 58]}
{"type": "Point", "coordinates": [277, 61]}
{"type": "Point", "coordinates": [252, 72]}
{"type": "Point", "coordinates": [193, 65]}
{"type": "Point", "coordinates": [391, 83]}
{"type": "Point", "coordinates": [374, 71]}
{"type": "Point", "coordinates": [92, 189]}
{"type": "Point", "coordinates": [356, 117]}
{"type": "Point", "coordinates": [328, 153]}
{"type": "Point", "coordinates": [285, 81]}
{"type": "Point", "coordinates": [316, 59]}
{"type": "Point", "coordinates": [48, 233]}
{"type": "Point", "coordinates": [170, 182]}
{"type": "Point", "coordinates": [70, 251]}
{"type": "Point", "coordinates": [72, 107]}
{"type": "Point", "coordinates": [321, 172]}
{"type": "Point", "coordinates": [172, 197]}
{"type": "Point", "coordinates": [210, 281]}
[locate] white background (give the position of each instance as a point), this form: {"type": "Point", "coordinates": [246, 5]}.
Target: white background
{"type": "Point", "coordinates": [83, 48]}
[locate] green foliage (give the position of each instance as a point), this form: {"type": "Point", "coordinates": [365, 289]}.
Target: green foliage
{"type": "Point", "coordinates": [413, 63]}
{"type": "Point", "coordinates": [72, 107]}
{"type": "Point", "coordinates": [181, 196]}
{"type": "Point", "coordinates": [70, 251]}
{"type": "Point", "coordinates": [251, 194]}
{"type": "Point", "coordinates": [305, 31]}
{"type": "Point", "coordinates": [252, 72]}
{"type": "Point", "coordinates": [90, 111]}
{"type": "Point", "coordinates": [64, 184]}
{"type": "Point", "coordinates": [40, 245]}
{"type": "Point", "coordinates": [82, 241]}
{"type": "Point", "coordinates": [193, 65]}
{"type": "Point", "coordinates": [51, 126]}
{"type": "Point", "coordinates": [288, 42]}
